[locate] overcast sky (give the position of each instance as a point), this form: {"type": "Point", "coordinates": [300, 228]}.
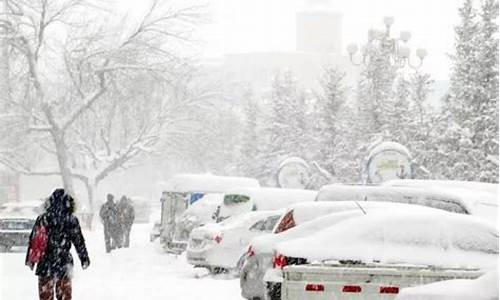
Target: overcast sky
{"type": "Point", "coordinates": [268, 25]}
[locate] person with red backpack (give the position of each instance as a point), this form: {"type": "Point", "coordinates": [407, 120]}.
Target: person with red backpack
{"type": "Point", "coordinates": [54, 232]}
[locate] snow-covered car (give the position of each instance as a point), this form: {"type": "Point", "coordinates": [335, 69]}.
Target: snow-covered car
{"type": "Point", "coordinates": [479, 198]}
{"type": "Point", "coordinates": [459, 200]}
{"type": "Point", "coordinates": [300, 219]}
{"type": "Point", "coordinates": [197, 214]}
{"type": "Point", "coordinates": [482, 288]}
{"type": "Point", "coordinates": [222, 246]}
{"type": "Point", "coordinates": [16, 222]}
{"type": "Point", "coordinates": [264, 248]}
{"type": "Point", "coordinates": [190, 200]}
{"type": "Point", "coordinates": [376, 255]}
{"type": "Point", "coordinates": [242, 200]}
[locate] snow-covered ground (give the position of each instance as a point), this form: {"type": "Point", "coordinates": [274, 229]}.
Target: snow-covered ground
{"type": "Point", "coordinates": [142, 271]}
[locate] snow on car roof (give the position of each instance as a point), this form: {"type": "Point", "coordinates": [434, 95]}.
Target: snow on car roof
{"type": "Point", "coordinates": [249, 217]}
{"type": "Point", "coordinates": [437, 198]}
{"type": "Point", "coordinates": [482, 288]}
{"type": "Point", "coordinates": [480, 199]}
{"type": "Point", "coordinates": [206, 183]}
{"type": "Point", "coordinates": [321, 216]}
{"type": "Point", "coordinates": [429, 237]}
{"type": "Point", "coordinates": [425, 183]}
{"type": "Point", "coordinates": [275, 196]}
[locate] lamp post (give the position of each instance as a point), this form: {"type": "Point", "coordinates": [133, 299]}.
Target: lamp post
{"type": "Point", "coordinates": [396, 48]}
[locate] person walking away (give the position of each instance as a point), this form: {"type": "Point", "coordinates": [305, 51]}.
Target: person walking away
{"type": "Point", "coordinates": [110, 221]}
{"type": "Point", "coordinates": [50, 242]}
{"type": "Point", "coordinates": [127, 216]}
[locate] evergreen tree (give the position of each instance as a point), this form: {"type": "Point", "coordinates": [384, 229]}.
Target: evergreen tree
{"type": "Point", "coordinates": [473, 96]}
{"type": "Point", "coordinates": [329, 134]}
{"type": "Point", "coordinates": [286, 126]}
{"type": "Point", "coordinates": [250, 163]}
{"type": "Point", "coordinates": [375, 88]}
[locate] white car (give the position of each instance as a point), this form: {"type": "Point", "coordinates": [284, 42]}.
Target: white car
{"type": "Point", "coordinates": [301, 219]}
{"type": "Point", "coordinates": [482, 288]}
{"type": "Point", "coordinates": [458, 197]}
{"type": "Point", "coordinates": [223, 245]}
{"type": "Point", "coordinates": [432, 241]}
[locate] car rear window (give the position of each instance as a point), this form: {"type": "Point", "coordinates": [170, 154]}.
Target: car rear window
{"type": "Point", "coordinates": [286, 222]}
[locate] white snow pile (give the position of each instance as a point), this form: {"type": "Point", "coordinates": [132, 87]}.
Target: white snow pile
{"type": "Point", "coordinates": [206, 183]}
{"type": "Point", "coordinates": [266, 243]}
{"type": "Point", "coordinates": [423, 237]}
{"type": "Point", "coordinates": [311, 218]}
{"type": "Point", "coordinates": [483, 288]}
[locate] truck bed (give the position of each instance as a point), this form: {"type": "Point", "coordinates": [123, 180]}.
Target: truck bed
{"type": "Point", "coordinates": [361, 281]}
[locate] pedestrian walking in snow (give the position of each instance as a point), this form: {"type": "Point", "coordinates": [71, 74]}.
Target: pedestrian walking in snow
{"type": "Point", "coordinates": [111, 222]}
{"type": "Point", "coordinates": [53, 233]}
{"type": "Point", "coordinates": [127, 216]}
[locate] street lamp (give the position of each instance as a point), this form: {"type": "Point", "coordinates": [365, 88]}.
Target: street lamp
{"type": "Point", "coordinates": [396, 48]}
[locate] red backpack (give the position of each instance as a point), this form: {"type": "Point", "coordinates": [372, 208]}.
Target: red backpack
{"type": "Point", "coordinates": [38, 245]}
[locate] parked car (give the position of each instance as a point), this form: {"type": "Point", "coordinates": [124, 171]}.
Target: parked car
{"type": "Point", "coordinates": [300, 219]}
{"type": "Point", "coordinates": [185, 205]}
{"type": "Point", "coordinates": [264, 248]}
{"type": "Point", "coordinates": [464, 201]}
{"type": "Point", "coordinates": [242, 200]}
{"type": "Point", "coordinates": [479, 198]}
{"type": "Point", "coordinates": [482, 288]}
{"type": "Point", "coordinates": [222, 246]}
{"type": "Point", "coordinates": [16, 221]}
{"type": "Point", "coordinates": [394, 249]}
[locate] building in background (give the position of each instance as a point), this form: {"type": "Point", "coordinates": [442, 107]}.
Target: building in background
{"type": "Point", "coordinates": [318, 46]}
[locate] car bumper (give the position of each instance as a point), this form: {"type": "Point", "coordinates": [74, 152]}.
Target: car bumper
{"type": "Point", "coordinates": [197, 257]}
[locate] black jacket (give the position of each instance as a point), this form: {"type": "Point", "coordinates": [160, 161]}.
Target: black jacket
{"type": "Point", "coordinates": [63, 231]}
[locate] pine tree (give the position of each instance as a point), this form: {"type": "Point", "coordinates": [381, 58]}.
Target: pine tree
{"type": "Point", "coordinates": [286, 126]}
{"type": "Point", "coordinates": [375, 88]}
{"type": "Point", "coordinates": [485, 123]}
{"type": "Point", "coordinates": [473, 96]}
{"type": "Point", "coordinates": [330, 137]}
{"type": "Point", "coordinates": [249, 163]}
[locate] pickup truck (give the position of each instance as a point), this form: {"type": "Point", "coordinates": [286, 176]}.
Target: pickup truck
{"type": "Point", "coordinates": [337, 280]}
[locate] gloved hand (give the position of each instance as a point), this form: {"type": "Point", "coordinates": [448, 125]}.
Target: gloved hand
{"type": "Point", "coordinates": [85, 264]}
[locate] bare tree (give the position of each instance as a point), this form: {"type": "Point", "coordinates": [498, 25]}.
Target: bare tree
{"type": "Point", "coordinates": [69, 90]}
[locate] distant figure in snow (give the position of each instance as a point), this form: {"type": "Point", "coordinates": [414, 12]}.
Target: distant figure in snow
{"type": "Point", "coordinates": [110, 219]}
{"type": "Point", "coordinates": [58, 228]}
{"type": "Point", "coordinates": [127, 216]}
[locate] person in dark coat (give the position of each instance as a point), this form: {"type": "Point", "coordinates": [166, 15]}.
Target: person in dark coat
{"type": "Point", "coordinates": [127, 216]}
{"type": "Point", "coordinates": [110, 218]}
{"type": "Point", "coordinates": [54, 270]}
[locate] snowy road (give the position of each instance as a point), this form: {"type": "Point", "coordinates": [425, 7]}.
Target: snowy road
{"type": "Point", "coordinates": [140, 272]}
